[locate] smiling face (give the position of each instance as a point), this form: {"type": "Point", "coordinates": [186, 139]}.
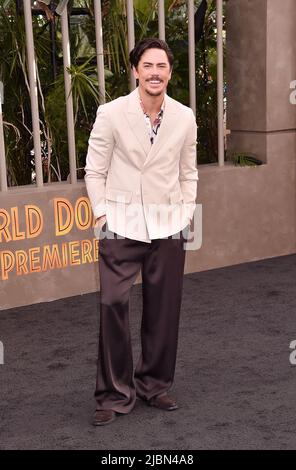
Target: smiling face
{"type": "Point", "coordinates": [153, 72]}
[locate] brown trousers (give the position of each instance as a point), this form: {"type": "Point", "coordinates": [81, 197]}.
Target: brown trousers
{"type": "Point", "coordinates": [162, 265]}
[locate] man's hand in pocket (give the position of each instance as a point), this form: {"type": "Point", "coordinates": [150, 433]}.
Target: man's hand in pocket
{"type": "Point", "coordinates": [100, 221]}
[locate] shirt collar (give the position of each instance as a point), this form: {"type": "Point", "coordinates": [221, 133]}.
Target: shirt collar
{"type": "Point", "coordinates": [161, 108]}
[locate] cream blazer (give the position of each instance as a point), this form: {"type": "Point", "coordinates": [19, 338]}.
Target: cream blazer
{"type": "Point", "coordinates": [146, 191]}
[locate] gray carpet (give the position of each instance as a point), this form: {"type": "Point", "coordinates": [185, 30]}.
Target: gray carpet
{"type": "Point", "coordinates": [234, 382]}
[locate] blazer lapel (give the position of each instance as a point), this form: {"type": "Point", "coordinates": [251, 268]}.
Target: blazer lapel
{"type": "Point", "coordinates": [134, 115]}
{"type": "Point", "coordinates": [135, 118]}
{"type": "Point", "coordinates": [167, 126]}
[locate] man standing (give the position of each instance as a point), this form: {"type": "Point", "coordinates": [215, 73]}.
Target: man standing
{"type": "Point", "coordinates": [141, 179]}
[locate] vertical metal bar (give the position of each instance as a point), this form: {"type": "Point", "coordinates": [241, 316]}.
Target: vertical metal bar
{"type": "Point", "coordinates": [33, 92]}
{"type": "Point", "coordinates": [3, 170]}
{"type": "Point", "coordinates": [69, 97]}
{"type": "Point", "coordinates": [130, 36]}
{"type": "Point", "coordinates": [52, 29]}
{"type": "Point", "coordinates": [100, 49]}
{"type": "Point", "coordinates": [161, 20]}
{"type": "Point", "coordinates": [220, 81]}
{"type": "Point", "coordinates": [191, 56]}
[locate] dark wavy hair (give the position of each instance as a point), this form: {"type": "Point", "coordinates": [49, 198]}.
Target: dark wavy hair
{"type": "Point", "coordinates": [149, 43]}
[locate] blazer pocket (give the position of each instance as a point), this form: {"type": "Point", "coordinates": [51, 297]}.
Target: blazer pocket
{"type": "Point", "coordinates": [176, 196]}
{"type": "Point", "coordinates": [119, 195]}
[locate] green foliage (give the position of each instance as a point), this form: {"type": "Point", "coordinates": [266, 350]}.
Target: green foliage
{"type": "Point", "coordinates": [16, 107]}
{"type": "Point", "coordinates": [51, 94]}
{"type": "Point", "coordinates": [146, 25]}
{"type": "Point", "coordinates": [245, 159]}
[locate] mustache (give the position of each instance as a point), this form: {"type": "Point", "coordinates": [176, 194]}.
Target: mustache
{"type": "Point", "coordinates": [154, 78]}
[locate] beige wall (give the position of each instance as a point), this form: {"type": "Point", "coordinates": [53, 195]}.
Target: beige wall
{"type": "Point", "coordinates": [248, 213]}
{"type": "Point", "coordinates": [47, 284]}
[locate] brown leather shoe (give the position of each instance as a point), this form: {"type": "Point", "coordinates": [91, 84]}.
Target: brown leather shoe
{"type": "Point", "coordinates": [163, 402]}
{"type": "Point", "coordinates": [103, 417]}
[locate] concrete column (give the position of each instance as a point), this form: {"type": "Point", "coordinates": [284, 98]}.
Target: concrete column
{"type": "Point", "coordinates": [260, 65]}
